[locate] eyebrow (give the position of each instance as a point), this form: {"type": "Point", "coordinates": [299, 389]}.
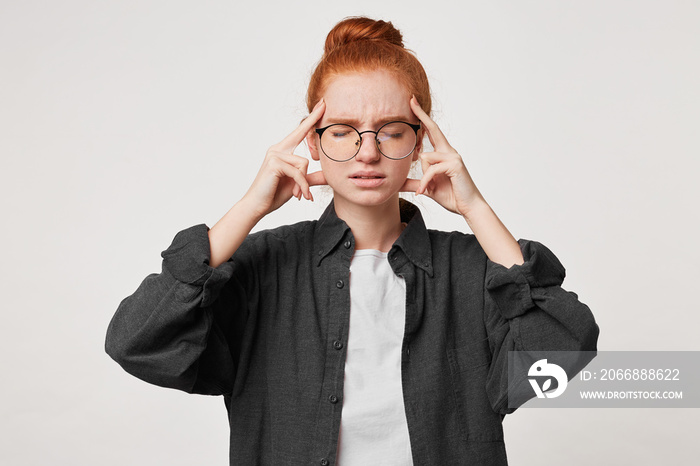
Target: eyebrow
{"type": "Point", "coordinates": [355, 121]}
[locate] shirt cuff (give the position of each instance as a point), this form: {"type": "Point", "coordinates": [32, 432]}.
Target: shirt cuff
{"type": "Point", "coordinates": [187, 260]}
{"type": "Point", "coordinates": [511, 287]}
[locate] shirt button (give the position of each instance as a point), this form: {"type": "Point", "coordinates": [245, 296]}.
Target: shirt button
{"type": "Point", "coordinates": [347, 244]}
{"type": "Point", "coordinates": [339, 283]}
{"type": "Point", "coordinates": [337, 344]}
{"type": "Point", "coordinates": [324, 462]}
{"type": "Point", "coordinates": [333, 399]}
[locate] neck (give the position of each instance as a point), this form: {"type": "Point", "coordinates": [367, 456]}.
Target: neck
{"type": "Point", "coordinates": [374, 227]}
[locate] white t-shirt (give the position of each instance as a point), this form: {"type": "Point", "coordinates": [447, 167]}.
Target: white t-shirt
{"type": "Point", "coordinates": [373, 428]}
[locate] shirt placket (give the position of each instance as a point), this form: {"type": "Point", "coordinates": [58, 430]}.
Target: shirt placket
{"type": "Point", "coordinates": [334, 270]}
{"type": "Point", "coordinates": [403, 268]}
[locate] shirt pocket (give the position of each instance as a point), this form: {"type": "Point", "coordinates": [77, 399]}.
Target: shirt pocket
{"type": "Point", "coordinates": [469, 369]}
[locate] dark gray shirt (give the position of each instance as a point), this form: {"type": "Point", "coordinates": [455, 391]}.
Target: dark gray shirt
{"type": "Point", "coordinates": [268, 330]}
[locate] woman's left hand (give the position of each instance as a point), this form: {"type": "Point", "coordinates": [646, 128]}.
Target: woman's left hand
{"type": "Point", "coordinates": [445, 177]}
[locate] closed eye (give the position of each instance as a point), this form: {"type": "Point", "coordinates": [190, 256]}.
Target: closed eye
{"type": "Point", "coordinates": [384, 136]}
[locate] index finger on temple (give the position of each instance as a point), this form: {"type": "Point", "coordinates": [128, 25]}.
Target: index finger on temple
{"type": "Point", "coordinates": [437, 139]}
{"type": "Point", "coordinates": [298, 135]}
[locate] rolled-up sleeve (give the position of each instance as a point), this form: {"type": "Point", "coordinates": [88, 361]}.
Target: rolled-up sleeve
{"type": "Point", "coordinates": [187, 260]}
{"type": "Point", "coordinates": [526, 309]}
{"type": "Point", "coordinates": [167, 332]}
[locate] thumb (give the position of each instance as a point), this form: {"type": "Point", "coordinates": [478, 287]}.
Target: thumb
{"type": "Point", "coordinates": [410, 185]}
{"type": "Point", "coordinates": [316, 178]}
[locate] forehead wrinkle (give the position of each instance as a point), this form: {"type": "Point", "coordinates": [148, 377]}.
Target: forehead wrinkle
{"type": "Point", "coordinates": [376, 122]}
{"type": "Point", "coordinates": [367, 115]}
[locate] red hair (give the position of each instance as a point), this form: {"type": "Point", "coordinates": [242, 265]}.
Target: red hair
{"type": "Point", "coordinates": [359, 44]}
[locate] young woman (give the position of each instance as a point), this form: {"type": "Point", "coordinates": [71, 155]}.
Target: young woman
{"type": "Point", "coordinates": [362, 337]}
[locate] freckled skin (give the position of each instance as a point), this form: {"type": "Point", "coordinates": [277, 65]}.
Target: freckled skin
{"type": "Point", "coordinates": [369, 98]}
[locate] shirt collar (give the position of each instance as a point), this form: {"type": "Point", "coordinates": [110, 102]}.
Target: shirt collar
{"type": "Point", "coordinates": [414, 241]}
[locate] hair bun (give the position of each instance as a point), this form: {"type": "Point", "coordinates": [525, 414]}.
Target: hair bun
{"type": "Point", "coordinates": [361, 28]}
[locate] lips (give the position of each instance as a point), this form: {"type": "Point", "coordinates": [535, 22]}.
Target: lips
{"type": "Point", "coordinates": [367, 175]}
{"type": "Point", "coordinates": [367, 179]}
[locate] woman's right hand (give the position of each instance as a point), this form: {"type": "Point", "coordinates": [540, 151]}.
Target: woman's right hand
{"type": "Point", "coordinates": [283, 174]}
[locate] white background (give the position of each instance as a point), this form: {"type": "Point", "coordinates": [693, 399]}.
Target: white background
{"type": "Point", "coordinates": [123, 122]}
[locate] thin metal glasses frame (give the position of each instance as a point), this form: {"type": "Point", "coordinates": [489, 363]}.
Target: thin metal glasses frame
{"type": "Point", "coordinates": [320, 132]}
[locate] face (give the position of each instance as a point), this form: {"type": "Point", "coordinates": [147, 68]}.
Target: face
{"type": "Point", "coordinates": [366, 101]}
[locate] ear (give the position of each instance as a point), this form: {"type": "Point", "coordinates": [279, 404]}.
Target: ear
{"type": "Point", "coordinates": [312, 143]}
{"type": "Point", "coordinates": [419, 144]}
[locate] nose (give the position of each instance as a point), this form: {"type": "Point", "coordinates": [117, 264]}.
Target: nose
{"type": "Point", "coordinates": [368, 148]}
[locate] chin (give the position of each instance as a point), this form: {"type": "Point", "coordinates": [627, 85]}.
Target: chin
{"type": "Point", "coordinates": [368, 198]}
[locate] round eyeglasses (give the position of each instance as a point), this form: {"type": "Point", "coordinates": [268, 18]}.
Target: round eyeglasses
{"type": "Point", "coordinates": [395, 140]}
